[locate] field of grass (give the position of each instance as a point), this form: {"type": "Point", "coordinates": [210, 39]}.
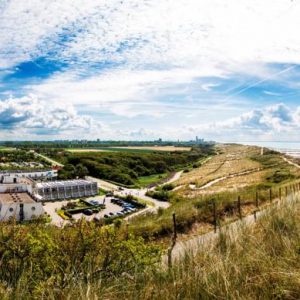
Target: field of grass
{"type": "Point", "coordinates": [85, 261]}
{"type": "Point", "coordinates": [129, 149]}
{"type": "Point", "coordinates": [242, 165]}
{"type": "Point", "coordinates": [261, 262]}
{"type": "Point", "coordinates": [127, 167]}
{"type": "Point", "coordinates": [155, 148]}
{"type": "Point", "coordinates": [144, 181]}
{"type": "Point", "coordinates": [193, 207]}
{"type": "Point", "coordinates": [7, 149]}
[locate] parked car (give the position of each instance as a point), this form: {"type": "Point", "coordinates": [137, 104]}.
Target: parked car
{"type": "Point", "coordinates": [88, 212]}
{"type": "Point", "coordinates": [94, 202]}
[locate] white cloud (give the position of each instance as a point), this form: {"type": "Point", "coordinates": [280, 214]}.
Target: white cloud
{"type": "Point", "coordinates": [34, 115]}
{"type": "Point", "coordinates": [157, 32]}
{"type": "Point", "coordinates": [118, 91]}
{"type": "Point", "coordinates": [155, 48]}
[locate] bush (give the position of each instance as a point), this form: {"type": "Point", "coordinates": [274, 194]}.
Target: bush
{"type": "Point", "coordinates": [167, 187]}
{"type": "Point", "coordinates": [159, 195]}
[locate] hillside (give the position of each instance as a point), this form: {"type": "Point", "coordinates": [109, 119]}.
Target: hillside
{"type": "Point", "coordinates": [86, 262]}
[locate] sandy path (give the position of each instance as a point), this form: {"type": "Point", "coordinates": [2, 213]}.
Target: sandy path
{"type": "Point", "coordinates": [191, 246]}
{"type": "Point", "coordinates": [213, 182]}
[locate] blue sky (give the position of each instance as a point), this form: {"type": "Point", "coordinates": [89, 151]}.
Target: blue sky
{"type": "Point", "coordinates": [148, 69]}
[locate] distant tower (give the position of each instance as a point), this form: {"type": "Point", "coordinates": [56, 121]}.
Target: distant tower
{"type": "Point", "coordinates": [197, 140]}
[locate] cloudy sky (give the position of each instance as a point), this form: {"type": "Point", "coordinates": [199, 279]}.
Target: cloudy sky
{"type": "Point", "coordinates": [147, 69]}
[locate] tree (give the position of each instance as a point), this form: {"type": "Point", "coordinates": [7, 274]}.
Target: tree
{"type": "Point", "coordinates": [81, 171]}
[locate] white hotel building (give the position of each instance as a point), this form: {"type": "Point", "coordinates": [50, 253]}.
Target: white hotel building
{"type": "Point", "coordinates": [35, 175]}
{"type": "Point", "coordinates": [19, 206]}
{"type": "Point", "coordinates": [66, 189]}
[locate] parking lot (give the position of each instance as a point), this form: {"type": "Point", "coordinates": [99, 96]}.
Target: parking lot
{"type": "Point", "coordinates": [111, 209]}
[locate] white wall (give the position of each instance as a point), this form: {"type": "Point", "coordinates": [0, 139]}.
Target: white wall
{"type": "Point", "coordinates": [15, 187]}
{"type": "Point", "coordinates": [29, 212]}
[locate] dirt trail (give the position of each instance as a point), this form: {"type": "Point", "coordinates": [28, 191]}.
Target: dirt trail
{"type": "Point", "coordinates": [53, 162]}
{"type": "Point", "coordinates": [191, 246]}
{"type": "Point", "coordinates": [290, 162]}
{"type": "Point", "coordinates": [213, 182]}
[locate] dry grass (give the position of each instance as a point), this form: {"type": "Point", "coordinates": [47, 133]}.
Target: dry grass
{"type": "Point", "coordinates": [233, 167]}
{"type": "Point", "coordinates": [233, 159]}
{"type": "Point", "coordinates": [141, 148]}
{"type": "Point", "coordinates": [83, 150]}
{"type": "Point", "coordinates": [156, 148]}
{"type": "Point", "coordinates": [258, 262]}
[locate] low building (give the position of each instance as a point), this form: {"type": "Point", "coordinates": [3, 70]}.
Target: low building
{"type": "Point", "coordinates": [12, 184]}
{"type": "Point", "coordinates": [66, 189]}
{"type": "Point", "coordinates": [33, 174]}
{"type": "Point", "coordinates": [19, 206]}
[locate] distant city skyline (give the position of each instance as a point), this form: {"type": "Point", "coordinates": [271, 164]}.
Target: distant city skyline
{"type": "Point", "coordinates": [149, 69]}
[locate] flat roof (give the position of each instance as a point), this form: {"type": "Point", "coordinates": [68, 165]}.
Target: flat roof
{"type": "Point", "coordinates": [16, 197]}
{"type": "Point", "coordinates": [7, 172]}
{"type": "Point", "coordinates": [63, 183]}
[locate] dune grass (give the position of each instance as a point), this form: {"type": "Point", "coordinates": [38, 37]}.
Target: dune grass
{"type": "Point", "coordinates": [257, 262]}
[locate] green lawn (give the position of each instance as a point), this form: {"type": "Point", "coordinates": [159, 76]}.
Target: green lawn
{"type": "Point", "coordinates": [7, 149]}
{"type": "Point", "coordinates": [110, 149]}
{"type": "Point", "coordinates": [147, 180]}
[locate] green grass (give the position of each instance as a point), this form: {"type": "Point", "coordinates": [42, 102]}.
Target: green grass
{"type": "Point", "coordinates": [110, 149]}
{"type": "Point", "coordinates": [101, 192]}
{"type": "Point", "coordinates": [144, 181]}
{"type": "Point", "coordinates": [84, 261]}
{"type": "Point", "coordinates": [7, 149]}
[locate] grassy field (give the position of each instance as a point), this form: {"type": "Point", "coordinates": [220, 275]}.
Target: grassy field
{"type": "Point", "coordinates": [144, 181]}
{"type": "Point", "coordinates": [7, 149]}
{"type": "Point", "coordinates": [261, 262]}
{"type": "Point", "coordinates": [128, 166]}
{"type": "Point", "coordinates": [85, 261]}
{"type": "Point", "coordinates": [243, 166]}
{"type": "Point", "coordinates": [193, 206]}
{"type": "Point", "coordinates": [129, 149]}
{"type": "Point", "coordinates": [156, 148]}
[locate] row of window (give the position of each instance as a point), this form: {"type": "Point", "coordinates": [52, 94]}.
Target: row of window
{"type": "Point", "coordinates": [11, 209]}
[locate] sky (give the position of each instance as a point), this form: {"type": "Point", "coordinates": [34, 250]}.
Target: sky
{"type": "Point", "coordinates": [225, 70]}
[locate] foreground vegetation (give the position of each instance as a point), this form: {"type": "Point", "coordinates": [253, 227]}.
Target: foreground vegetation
{"type": "Point", "coordinates": [88, 262]}
{"type": "Point", "coordinates": [39, 261]}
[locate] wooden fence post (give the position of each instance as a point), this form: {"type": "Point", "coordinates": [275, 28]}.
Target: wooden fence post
{"type": "Point", "coordinates": [256, 200]}
{"type": "Point", "coordinates": [239, 207]}
{"type": "Point", "coordinates": [174, 228]}
{"type": "Point", "coordinates": [215, 215]}
{"type": "Point", "coordinates": [127, 231]}
{"type": "Point", "coordinates": [280, 194]}
{"type": "Point", "coordinates": [256, 205]}
{"type": "Point", "coordinates": [173, 241]}
{"type": "Point", "coordinates": [271, 196]}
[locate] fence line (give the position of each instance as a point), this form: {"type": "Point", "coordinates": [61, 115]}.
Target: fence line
{"type": "Point", "coordinates": [290, 191]}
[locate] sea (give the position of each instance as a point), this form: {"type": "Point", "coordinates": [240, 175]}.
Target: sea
{"type": "Point", "coordinates": [290, 148]}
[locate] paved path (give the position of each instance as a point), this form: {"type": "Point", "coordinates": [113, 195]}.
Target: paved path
{"type": "Point", "coordinates": [53, 162]}
{"type": "Point", "coordinates": [139, 193]}
{"type": "Point", "coordinates": [291, 162]}
{"type": "Point", "coordinates": [181, 249]}
{"type": "Point", "coordinates": [191, 246]}
{"type": "Point", "coordinates": [107, 186]}
{"type": "Point", "coordinates": [175, 177]}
